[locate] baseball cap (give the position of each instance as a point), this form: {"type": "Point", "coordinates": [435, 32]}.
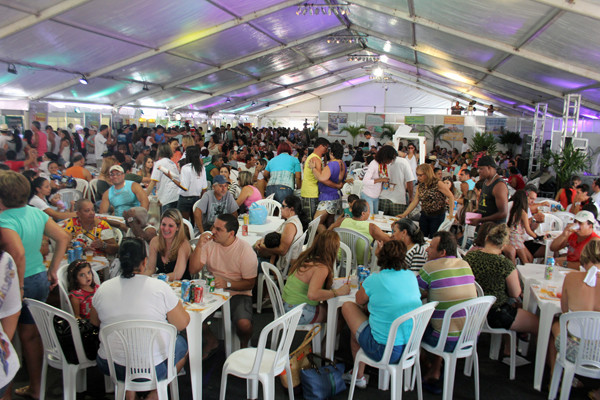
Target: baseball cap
{"type": "Point", "coordinates": [487, 161]}
{"type": "Point", "coordinates": [107, 153]}
{"type": "Point", "coordinates": [4, 128]}
{"type": "Point", "coordinates": [585, 216]}
{"type": "Point", "coordinates": [78, 128]}
{"type": "Point", "coordinates": [116, 168]}
{"type": "Point", "coordinates": [219, 180]}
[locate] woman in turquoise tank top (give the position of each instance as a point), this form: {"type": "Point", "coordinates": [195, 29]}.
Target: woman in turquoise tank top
{"type": "Point", "coordinates": [310, 278]}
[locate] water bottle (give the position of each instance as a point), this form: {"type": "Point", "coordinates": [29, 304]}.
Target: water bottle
{"type": "Point", "coordinates": [549, 269]}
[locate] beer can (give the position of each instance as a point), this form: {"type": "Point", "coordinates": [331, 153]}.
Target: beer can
{"type": "Point", "coordinates": [185, 290]}
{"type": "Point", "coordinates": [71, 255]}
{"type": "Point", "coordinates": [162, 277]}
{"type": "Point", "coordinates": [198, 294]}
{"type": "Point", "coordinates": [246, 219]}
{"type": "Point", "coordinates": [360, 273]}
{"type": "Point", "coordinates": [244, 230]}
{"type": "Point", "coordinates": [78, 252]}
{"type": "Point", "coordinates": [210, 281]}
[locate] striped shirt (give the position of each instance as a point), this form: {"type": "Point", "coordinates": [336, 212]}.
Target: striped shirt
{"type": "Point", "coordinates": [416, 256]}
{"type": "Point", "coordinates": [449, 281]}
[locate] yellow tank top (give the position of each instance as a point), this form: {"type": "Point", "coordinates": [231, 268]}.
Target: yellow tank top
{"type": "Point", "coordinates": [310, 189]}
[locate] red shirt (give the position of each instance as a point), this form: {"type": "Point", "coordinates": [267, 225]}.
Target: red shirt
{"type": "Point", "coordinates": [15, 165]}
{"type": "Point", "coordinates": [520, 182]}
{"type": "Point", "coordinates": [563, 198]}
{"type": "Point", "coordinates": [575, 247]}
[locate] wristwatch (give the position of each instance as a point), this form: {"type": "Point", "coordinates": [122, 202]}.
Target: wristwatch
{"type": "Point", "coordinates": [228, 284]}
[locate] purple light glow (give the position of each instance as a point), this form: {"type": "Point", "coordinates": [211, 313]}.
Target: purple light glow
{"type": "Point", "coordinates": [562, 83]}
{"type": "Point", "coordinates": [590, 116]}
{"type": "Point", "coordinates": [356, 81]}
{"type": "Point", "coordinates": [528, 108]}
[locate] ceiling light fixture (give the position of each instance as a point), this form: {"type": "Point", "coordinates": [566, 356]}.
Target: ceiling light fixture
{"type": "Point", "coordinates": [346, 38]}
{"type": "Point", "coordinates": [83, 80]}
{"type": "Point", "coordinates": [228, 100]}
{"type": "Point", "coordinates": [12, 69]}
{"type": "Point", "coordinates": [253, 104]}
{"type": "Point", "coordinates": [364, 57]}
{"type": "Point", "coordinates": [145, 88]}
{"type": "Point", "coordinates": [324, 9]}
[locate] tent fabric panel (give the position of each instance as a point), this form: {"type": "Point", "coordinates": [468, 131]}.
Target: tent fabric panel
{"type": "Point", "coordinates": [28, 81]}
{"type": "Point", "coordinates": [318, 84]}
{"type": "Point", "coordinates": [99, 90]}
{"type": "Point", "coordinates": [287, 26]}
{"type": "Point", "coordinates": [228, 45]}
{"type": "Point", "coordinates": [373, 20]}
{"type": "Point", "coordinates": [299, 76]}
{"type": "Point", "coordinates": [505, 21]}
{"type": "Point", "coordinates": [320, 48]}
{"type": "Point", "coordinates": [592, 95]}
{"type": "Point", "coordinates": [457, 47]}
{"type": "Point", "coordinates": [56, 45]}
{"type": "Point", "coordinates": [167, 98]}
{"type": "Point", "coordinates": [450, 69]}
{"type": "Point", "coordinates": [141, 19]}
{"type": "Point", "coordinates": [568, 39]}
{"type": "Point", "coordinates": [217, 81]}
{"type": "Point", "coordinates": [243, 7]}
{"type": "Point", "coordinates": [161, 69]}
{"type": "Point", "coordinates": [380, 46]}
{"type": "Point", "coordinates": [272, 63]}
{"type": "Point", "coordinates": [9, 15]}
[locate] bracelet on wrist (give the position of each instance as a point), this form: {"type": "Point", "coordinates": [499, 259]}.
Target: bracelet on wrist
{"type": "Point", "coordinates": [334, 293]}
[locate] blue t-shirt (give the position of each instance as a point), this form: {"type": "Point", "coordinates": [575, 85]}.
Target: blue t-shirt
{"type": "Point", "coordinates": [123, 199]}
{"type": "Point", "coordinates": [29, 223]}
{"type": "Point", "coordinates": [391, 295]}
{"type": "Point", "coordinates": [283, 169]}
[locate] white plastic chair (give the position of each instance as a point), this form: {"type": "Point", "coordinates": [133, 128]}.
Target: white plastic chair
{"type": "Point", "coordinates": [69, 195]}
{"type": "Point", "coordinates": [312, 231]}
{"type": "Point", "coordinates": [410, 356]}
{"type": "Point", "coordinates": [139, 339]}
{"type": "Point", "coordinates": [190, 228]}
{"type": "Point", "coordinates": [271, 205]}
{"type": "Point", "coordinates": [118, 235]}
{"type": "Point", "coordinates": [565, 217]}
{"type": "Point", "coordinates": [82, 186]}
{"type": "Point", "coordinates": [351, 239]}
{"type": "Point", "coordinates": [93, 192]}
{"type": "Point", "coordinates": [551, 223]}
{"type": "Point", "coordinates": [74, 377]}
{"type": "Point", "coordinates": [283, 264]}
{"type": "Point", "coordinates": [496, 342]}
{"type": "Point", "coordinates": [261, 364]}
{"type": "Point", "coordinates": [475, 311]}
{"type": "Point", "coordinates": [587, 363]}
{"type": "Point", "coordinates": [63, 288]}
{"type": "Point", "coordinates": [270, 197]}
{"type": "Point", "coordinates": [275, 290]}
{"type": "Point", "coordinates": [345, 261]}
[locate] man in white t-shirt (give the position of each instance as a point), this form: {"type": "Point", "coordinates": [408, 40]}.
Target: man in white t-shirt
{"type": "Point", "coordinates": [234, 265]}
{"type": "Point", "coordinates": [596, 191]}
{"type": "Point", "coordinates": [370, 139]}
{"type": "Point", "coordinates": [393, 201]}
{"type": "Point", "coordinates": [102, 140]}
{"type": "Point", "coordinates": [162, 173]}
{"type": "Point", "coordinates": [465, 146]}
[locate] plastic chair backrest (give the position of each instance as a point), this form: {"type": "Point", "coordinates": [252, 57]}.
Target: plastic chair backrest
{"type": "Point", "coordinates": [82, 186]}
{"type": "Point", "coordinates": [552, 223]}
{"type": "Point", "coordinates": [139, 339]}
{"type": "Point", "coordinates": [273, 288]}
{"type": "Point", "coordinates": [63, 288]}
{"type": "Point", "coordinates": [196, 205]}
{"type": "Point", "coordinates": [286, 326]}
{"type": "Point", "coordinates": [420, 319]}
{"type": "Point", "coordinates": [118, 235]}
{"type": "Point", "coordinates": [312, 231]}
{"type": "Point", "coordinates": [587, 326]}
{"type": "Point", "coordinates": [474, 311]}
{"type": "Point", "coordinates": [69, 195]}
{"type": "Point", "coordinates": [271, 206]}
{"type": "Point", "coordinates": [345, 260]}
{"type": "Point", "coordinates": [351, 238]}
{"type": "Point", "coordinates": [43, 315]}
{"type": "Point", "coordinates": [295, 249]}
{"type": "Point", "coordinates": [270, 197]}
{"type": "Point", "coordinates": [94, 190]}
{"type": "Point", "coordinates": [189, 226]}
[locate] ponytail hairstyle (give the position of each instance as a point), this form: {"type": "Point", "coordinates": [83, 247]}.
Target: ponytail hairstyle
{"type": "Point", "coordinates": [131, 254]}
{"type": "Point", "coordinates": [415, 234]}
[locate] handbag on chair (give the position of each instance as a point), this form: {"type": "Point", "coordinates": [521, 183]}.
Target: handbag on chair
{"type": "Point", "coordinates": [299, 357]}
{"type": "Point", "coordinates": [322, 382]}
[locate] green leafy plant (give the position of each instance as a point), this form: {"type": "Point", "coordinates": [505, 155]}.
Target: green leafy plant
{"type": "Point", "coordinates": [354, 131]}
{"type": "Point", "coordinates": [566, 162]}
{"type": "Point", "coordinates": [436, 134]}
{"type": "Point", "coordinates": [510, 139]}
{"type": "Point", "coordinates": [388, 131]}
{"type": "Point", "coordinates": [481, 141]}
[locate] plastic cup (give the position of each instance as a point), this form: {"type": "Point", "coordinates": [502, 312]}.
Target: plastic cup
{"type": "Point", "coordinates": [89, 256]}
{"type": "Point", "coordinates": [380, 214]}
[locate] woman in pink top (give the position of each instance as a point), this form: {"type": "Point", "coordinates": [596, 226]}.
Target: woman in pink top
{"type": "Point", "coordinates": [377, 178]}
{"type": "Point", "coordinates": [249, 193]}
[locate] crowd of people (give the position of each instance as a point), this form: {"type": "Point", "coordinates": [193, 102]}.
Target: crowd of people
{"type": "Point", "coordinates": [206, 180]}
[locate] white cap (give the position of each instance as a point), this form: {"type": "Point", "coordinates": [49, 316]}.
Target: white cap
{"type": "Point", "coordinates": [585, 216]}
{"type": "Point", "coordinates": [78, 128]}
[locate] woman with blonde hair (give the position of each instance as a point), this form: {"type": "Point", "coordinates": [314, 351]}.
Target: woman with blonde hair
{"type": "Point", "coordinates": [249, 193]}
{"type": "Point", "coordinates": [146, 171]}
{"type": "Point", "coordinates": [498, 277]}
{"type": "Point", "coordinates": [434, 196]}
{"type": "Point", "coordinates": [310, 278]}
{"type": "Point", "coordinates": [170, 250]}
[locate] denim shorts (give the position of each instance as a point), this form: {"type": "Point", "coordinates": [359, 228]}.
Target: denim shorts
{"type": "Point", "coordinates": [181, 349]}
{"type": "Point", "coordinates": [430, 339]}
{"type": "Point", "coordinates": [37, 287]}
{"type": "Point", "coordinates": [373, 349]}
{"type": "Point", "coordinates": [309, 313]}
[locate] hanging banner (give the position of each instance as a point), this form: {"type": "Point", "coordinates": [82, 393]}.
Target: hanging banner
{"type": "Point", "coordinates": [374, 122]}
{"type": "Point", "coordinates": [336, 122]}
{"type": "Point", "coordinates": [494, 124]}
{"type": "Point", "coordinates": [14, 122]}
{"type": "Point", "coordinates": [414, 120]}
{"type": "Point", "coordinates": [38, 111]}
{"type": "Point", "coordinates": [454, 120]}
{"type": "Point", "coordinates": [92, 120]}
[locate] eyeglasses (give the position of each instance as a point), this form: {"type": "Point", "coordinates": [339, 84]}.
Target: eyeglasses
{"type": "Point", "coordinates": [115, 174]}
{"type": "Point", "coordinates": [418, 174]}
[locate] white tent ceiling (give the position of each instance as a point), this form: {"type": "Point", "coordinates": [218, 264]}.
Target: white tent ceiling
{"type": "Point", "coordinates": [244, 56]}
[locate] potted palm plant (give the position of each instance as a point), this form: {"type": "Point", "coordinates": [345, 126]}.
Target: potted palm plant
{"type": "Point", "coordinates": [436, 133]}
{"type": "Point", "coordinates": [482, 141]}
{"type": "Point", "coordinates": [510, 139]}
{"type": "Point", "coordinates": [354, 131]}
{"type": "Point", "coordinates": [566, 162]}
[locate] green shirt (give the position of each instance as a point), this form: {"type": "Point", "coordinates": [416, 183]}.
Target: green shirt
{"type": "Point", "coordinates": [29, 223]}
{"type": "Point", "coordinates": [296, 292]}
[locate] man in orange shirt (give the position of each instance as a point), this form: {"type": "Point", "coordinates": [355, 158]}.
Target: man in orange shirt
{"type": "Point", "coordinates": [77, 170]}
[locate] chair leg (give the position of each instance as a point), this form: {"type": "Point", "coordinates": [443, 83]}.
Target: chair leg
{"type": "Point", "coordinates": [396, 387]}
{"type": "Point", "coordinates": [43, 379]}
{"type": "Point", "coordinates": [252, 388]}
{"type": "Point", "coordinates": [162, 392]}
{"type": "Point", "coordinates": [109, 387]}
{"type": "Point", "coordinates": [81, 381]}
{"type": "Point", "coordinates": [223, 389]}
{"type": "Point", "coordinates": [69, 374]}
{"type": "Point", "coordinates": [449, 368]}
{"type": "Point", "coordinates": [174, 389]}
{"type": "Point", "coordinates": [468, 366]}
{"type": "Point", "coordinates": [513, 355]}
{"type": "Point", "coordinates": [476, 368]}
{"type": "Point", "coordinates": [567, 381]}
{"type": "Point", "coordinates": [259, 292]}
{"type": "Point", "coordinates": [558, 369]}
{"type": "Point", "coordinates": [288, 374]}
{"type": "Point", "coordinates": [316, 343]}
{"type": "Point", "coordinates": [353, 381]}
{"type": "Point", "coordinates": [120, 394]}
{"type": "Point", "coordinates": [418, 379]}
{"type": "Point", "coordinates": [268, 388]}
{"type": "Point", "coordinates": [495, 345]}
{"type": "Point", "coordinates": [384, 379]}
